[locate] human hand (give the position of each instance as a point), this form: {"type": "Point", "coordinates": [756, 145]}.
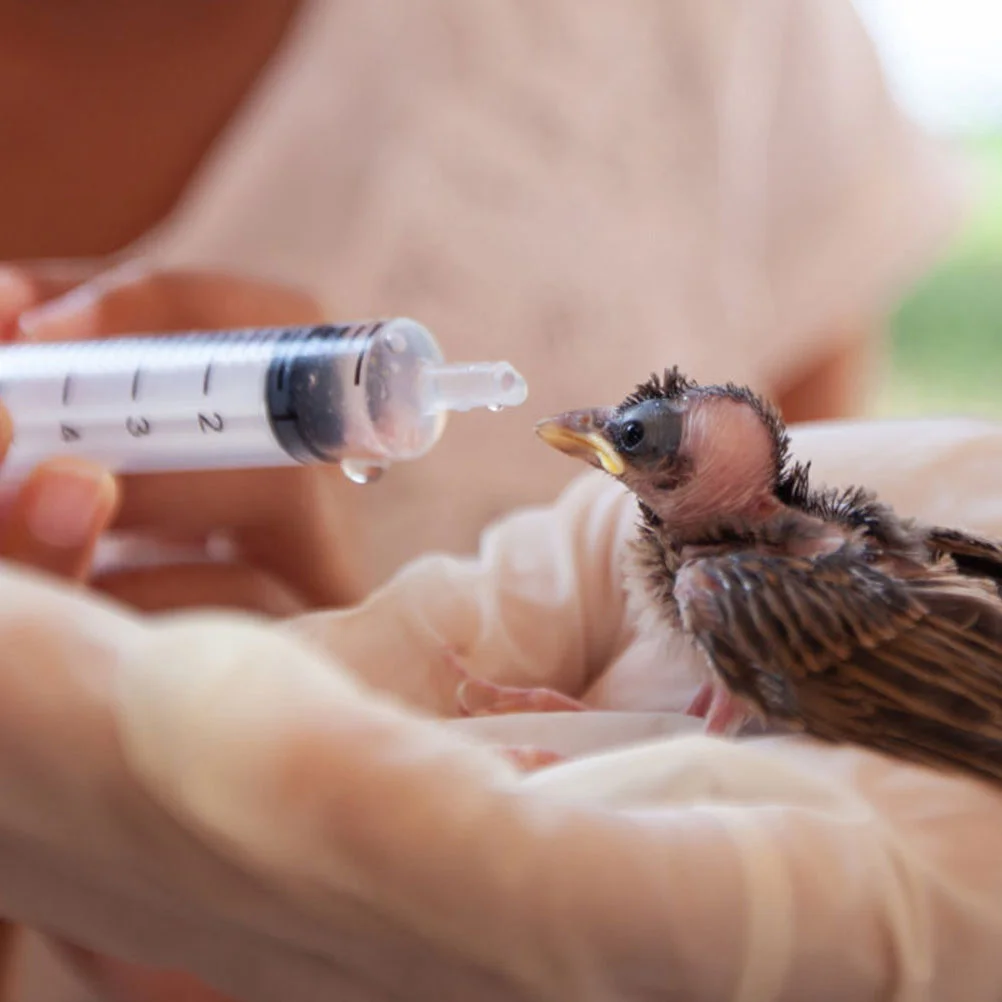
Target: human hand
{"type": "Point", "coordinates": [52, 524]}
{"type": "Point", "coordinates": [237, 806]}
{"type": "Point", "coordinates": [279, 524]}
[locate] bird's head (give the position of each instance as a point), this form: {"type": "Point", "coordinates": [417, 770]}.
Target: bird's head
{"type": "Point", "coordinates": [693, 455]}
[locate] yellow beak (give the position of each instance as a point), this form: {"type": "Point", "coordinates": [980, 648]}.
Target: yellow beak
{"type": "Point", "coordinates": [575, 434]}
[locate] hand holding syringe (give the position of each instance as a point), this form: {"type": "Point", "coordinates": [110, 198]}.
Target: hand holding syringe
{"type": "Point", "coordinates": [365, 395]}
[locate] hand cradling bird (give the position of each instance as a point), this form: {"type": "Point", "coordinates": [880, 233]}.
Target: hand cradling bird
{"type": "Point", "coordinates": [817, 610]}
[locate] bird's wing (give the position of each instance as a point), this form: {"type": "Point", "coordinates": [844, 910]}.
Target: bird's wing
{"type": "Point", "coordinates": [974, 555]}
{"type": "Point", "coordinates": [911, 667]}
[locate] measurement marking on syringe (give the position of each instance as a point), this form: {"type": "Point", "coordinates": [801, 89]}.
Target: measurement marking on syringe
{"type": "Point", "coordinates": [205, 380]}
{"type": "Point", "coordinates": [66, 388]}
{"type": "Point", "coordinates": [361, 354]}
{"type": "Point", "coordinates": [135, 383]}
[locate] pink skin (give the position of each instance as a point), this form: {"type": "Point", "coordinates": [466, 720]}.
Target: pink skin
{"type": "Point", "coordinates": [476, 697]}
{"type": "Point", "coordinates": [724, 715]}
{"type": "Point", "coordinates": [732, 453]}
{"type": "Point", "coordinates": [479, 698]}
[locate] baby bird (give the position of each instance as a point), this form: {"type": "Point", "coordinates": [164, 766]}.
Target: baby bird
{"type": "Point", "coordinates": [820, 611]}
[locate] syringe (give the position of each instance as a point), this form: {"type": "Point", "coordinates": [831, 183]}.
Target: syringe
{"type": "Point", "coordinates": [364, 395]}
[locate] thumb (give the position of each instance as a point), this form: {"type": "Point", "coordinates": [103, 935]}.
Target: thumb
{"type": "Point", "coordinates": [120, 981]}
{"type": "Point", "coordinates": [201, 585]}
{"type": "Point", "coordinates": [134, 298]}
{"type": "Point", "coordinates": [24, 286]}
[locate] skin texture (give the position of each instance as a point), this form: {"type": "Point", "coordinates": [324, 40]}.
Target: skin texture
{"type": "Point", "coordinates": [819, 611]}
{"type": "Point", "coordinates": [100, 79]}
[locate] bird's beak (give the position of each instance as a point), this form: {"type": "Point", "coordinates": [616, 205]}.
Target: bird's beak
{"type": "Point", "coordinates": [580, 434]}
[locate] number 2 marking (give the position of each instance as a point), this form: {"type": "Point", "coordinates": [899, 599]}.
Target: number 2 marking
{"type": "Point", "coordinates": [68, 433]}
{"type": "Point", "coordinates": [210, 422]}
{"type": "Point", "coordinates": [137, 427]}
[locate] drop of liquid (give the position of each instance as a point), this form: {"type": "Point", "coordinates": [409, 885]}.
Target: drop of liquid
{"type": "Point", "coordinates": [495, 407]}
{"type": "Point", "coordinates": [359, 471]}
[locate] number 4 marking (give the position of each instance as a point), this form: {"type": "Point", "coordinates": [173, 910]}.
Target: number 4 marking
{"type": "Point", "coordinates": [210, 422]}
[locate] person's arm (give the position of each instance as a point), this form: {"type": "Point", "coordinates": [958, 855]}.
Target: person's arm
{"type": "Point", "coordinates": [838, 384]}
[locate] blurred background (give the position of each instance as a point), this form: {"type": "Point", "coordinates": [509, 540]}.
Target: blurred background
{"type": "Point", "coordinates": [943, 59]}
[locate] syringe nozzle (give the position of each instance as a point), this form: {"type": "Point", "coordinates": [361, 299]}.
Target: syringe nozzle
{"type": "Point", "coordinates": [478, 384]}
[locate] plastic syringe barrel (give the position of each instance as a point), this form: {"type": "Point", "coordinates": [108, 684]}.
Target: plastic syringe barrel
{"type": "Point", "coordinates": [204, 400]}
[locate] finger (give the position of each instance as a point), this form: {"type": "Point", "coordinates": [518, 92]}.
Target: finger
{"type": "Point", "coordinates": [131, 983]}
{"type": "Point", "coordinates": [133, 299]}
{"type": "Point", "coordinates": [57, 516]}
{"type": "Point", "coordinates": [119, 981]}
{"type": "Point", "coordinates": [25, 286]}
{"type": "Point", "coordinates": [53, 276]}
{"type": "Point", "coordinates": [16, 294]}
{"type": "Point", "coordinates": [200, 586]}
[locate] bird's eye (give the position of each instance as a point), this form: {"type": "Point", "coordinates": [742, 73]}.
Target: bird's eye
{"type": "Point", "coordinates": [631, 435]}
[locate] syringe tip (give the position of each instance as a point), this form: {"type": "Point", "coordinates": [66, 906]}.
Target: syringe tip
{"type": "Point", "coordinates": [493, 385]}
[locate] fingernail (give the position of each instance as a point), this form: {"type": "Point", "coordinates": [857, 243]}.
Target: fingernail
{"type": "Point", "coordinates": [66, 504]}
{"type": "Point", "coordinates": [16, 292]}
{"type": "Point", "coordinates": [60, 317]}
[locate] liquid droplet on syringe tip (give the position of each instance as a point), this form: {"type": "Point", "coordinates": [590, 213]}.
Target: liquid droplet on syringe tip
{"type": "Point", "coordinates": [360, 471]}
{"type": "Point", "coordinates": [495, 408]}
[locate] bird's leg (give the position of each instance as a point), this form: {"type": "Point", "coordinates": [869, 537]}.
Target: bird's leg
{"type": "Point", "coordinates": [700, 704]}
{"type": "Point", "coordinates": [479, 698]}
{"type": "Point", "coordinates": [723, 713]}
{"type": "Point", "coordinates": [505, 699]}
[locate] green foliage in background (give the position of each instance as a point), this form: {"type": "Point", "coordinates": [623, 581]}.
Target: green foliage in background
{"type": "Point", "coordinates": [947, 336]}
